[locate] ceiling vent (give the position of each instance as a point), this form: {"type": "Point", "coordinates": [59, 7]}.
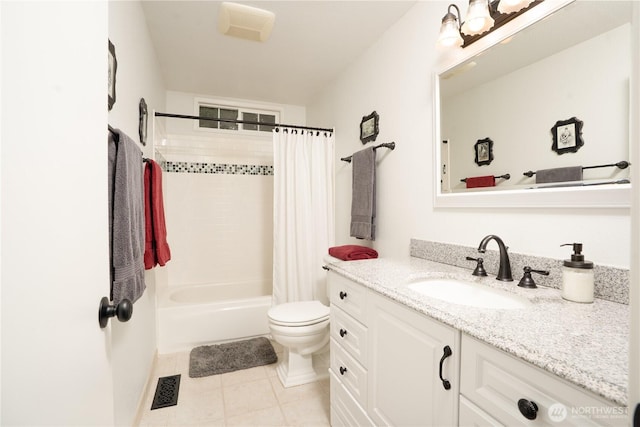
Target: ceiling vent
{"type": "Point", "coordinates": [245, 22]}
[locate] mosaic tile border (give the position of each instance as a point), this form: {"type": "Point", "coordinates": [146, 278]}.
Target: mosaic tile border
{"type": "Point", "coordinates": [217, 168]}
{"type": "Point", "coordinates": [611, 284]}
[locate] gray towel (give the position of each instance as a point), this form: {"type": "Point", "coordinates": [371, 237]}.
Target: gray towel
{"type": "Point", "coordinates": [126, 219]}
{"type": "Point", "coordinates": [571, 173]}
{"type": "Point", "coordinates": [363, 194]}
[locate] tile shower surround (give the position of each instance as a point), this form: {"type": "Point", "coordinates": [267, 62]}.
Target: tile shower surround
{"type": "Point", "coordinates": [611, 284]}
{"type": "Point", "coordinates": [216, 168]}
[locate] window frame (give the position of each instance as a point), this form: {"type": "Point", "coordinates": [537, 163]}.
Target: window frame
{"type": "Point", "coordinates": [241, 108]}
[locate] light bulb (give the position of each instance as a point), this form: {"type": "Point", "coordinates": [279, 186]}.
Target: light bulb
{"type": "Point", "coordinates": [510, 6]}
{"type": "Point", "coordinates": [478, 19]}
{"type": "Point", "coordinates": [450, 31]}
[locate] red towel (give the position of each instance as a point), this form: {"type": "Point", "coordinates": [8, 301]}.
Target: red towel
{"type": "Point", "coordinates": [156, 250]}
{"type": "Point", "coordinates": [481, 181]}
{"type": "Point", "coordinates": [352, 252]}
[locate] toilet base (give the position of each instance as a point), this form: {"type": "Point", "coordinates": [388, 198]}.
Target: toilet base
{"type": "Point", "coordinates": [295, 369]}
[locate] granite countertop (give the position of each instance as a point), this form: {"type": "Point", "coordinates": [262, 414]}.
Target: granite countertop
{"type": "Point", "coordinates": [586, 344]}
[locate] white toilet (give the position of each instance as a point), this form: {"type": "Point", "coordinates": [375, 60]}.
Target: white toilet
{"type": "Point", "coordinates": [302, 328]}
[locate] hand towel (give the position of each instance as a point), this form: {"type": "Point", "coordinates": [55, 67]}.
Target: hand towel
{"type": "Point", "coordinates": [126, 218]}
{"type": "Point", "coordinates": [571, 173]}
{"type": "Point", "coordinates": [352, 252]}
{"type": "Point", "coordinates": [481, 181]}
{"type": "Point", "coordinates": [156, 247]}
{"type": "Point", "coordinates": [363, 194]}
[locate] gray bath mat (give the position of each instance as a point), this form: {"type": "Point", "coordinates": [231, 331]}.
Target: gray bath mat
{"type": "Point", "coordinates": [221, 358]}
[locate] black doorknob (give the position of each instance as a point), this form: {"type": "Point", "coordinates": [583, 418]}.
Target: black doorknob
{"type": "Point", "coordinates": [343, 295]}
{"type": "Point", "coordinates": [343, 370]}
{"type": "Point", "coordinates": [528, 408]}
{"type": "Point", "coordinates": [122, 311]}
{"type": "Point", "coordinates": [343, 332]}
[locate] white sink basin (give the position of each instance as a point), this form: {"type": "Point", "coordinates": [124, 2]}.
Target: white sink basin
{"type": "Point", "coordinates": [469, 294]}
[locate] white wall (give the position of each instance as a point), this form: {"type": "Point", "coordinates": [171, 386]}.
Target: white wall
{"type": "Point", "coordinates": [394, 77]}
{"type": "Point", "coordinates": [519, 125]}
{"type": "Point", "coordinates": [138, 76]}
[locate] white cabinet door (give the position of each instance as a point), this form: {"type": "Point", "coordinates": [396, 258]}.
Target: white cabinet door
{"type": "Point", "coordinates": [405, 352]}
{"type": "Point", "coordinates": [56, 361]}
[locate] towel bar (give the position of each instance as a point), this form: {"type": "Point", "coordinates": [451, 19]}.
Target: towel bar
{"type": "Point", "coordinates": [505, 176]}
{"type": "Point", "coordinates": [389, 145]}
{"type": "Point", "coordinates": [622, 165]}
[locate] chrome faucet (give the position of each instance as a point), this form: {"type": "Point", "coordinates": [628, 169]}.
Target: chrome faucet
{"type": "Point", "coordinates": [504, 272]}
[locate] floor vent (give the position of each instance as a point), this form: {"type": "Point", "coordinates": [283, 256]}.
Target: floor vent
{"type": "Point", "coordinates": [166, 392]}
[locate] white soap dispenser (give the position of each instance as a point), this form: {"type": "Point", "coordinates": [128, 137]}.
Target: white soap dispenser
{"type": "Point", "coordinates": [577, 276]}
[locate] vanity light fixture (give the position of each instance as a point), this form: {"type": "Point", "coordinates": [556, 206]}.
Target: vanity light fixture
{"type": "Point", "coordinates": [483, 16]}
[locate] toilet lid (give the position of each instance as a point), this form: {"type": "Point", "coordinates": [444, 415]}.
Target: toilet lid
{"type": "Point", "coordinates": [299, 313]}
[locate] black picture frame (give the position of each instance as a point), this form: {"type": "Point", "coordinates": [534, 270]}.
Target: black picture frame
{"type": "Point", "coordinates": [369, 127]}
{"type": "Point", "coordinates": [484, 151]}
{"type": "Point", "coordinates": [143, 121]}
{"type": "Point", "coordinates": [111, 78]}
{"type": "Point", "coordinates": [567, 136]}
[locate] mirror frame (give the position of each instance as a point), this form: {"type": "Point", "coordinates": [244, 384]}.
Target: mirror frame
{"type": "Point", "coordinates": [596, 196]}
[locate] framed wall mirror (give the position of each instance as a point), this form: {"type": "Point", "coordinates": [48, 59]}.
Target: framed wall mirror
{"type": "Point", "coordinates": [559, 60]}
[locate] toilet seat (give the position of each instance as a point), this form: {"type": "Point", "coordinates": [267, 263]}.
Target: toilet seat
{"type": "Point", "coordinates": [301, 313]}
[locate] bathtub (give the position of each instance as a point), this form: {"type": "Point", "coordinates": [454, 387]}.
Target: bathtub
{"type": "Point", "coordinates": [189, 316]}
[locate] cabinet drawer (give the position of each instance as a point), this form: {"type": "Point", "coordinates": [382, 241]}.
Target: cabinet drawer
{"type": "Point", "coordinates": [350, 334]}
{"type": "Point", "coordinates": [347, 295]}
{"type": "Point", "coordinates": [471, 415]}
{"type": "Point", "coordinates": [351, 373]}
{"type": "Point", "coordinates": [345, 411]}
{"type": "Point", "coordinates": [495, 381]}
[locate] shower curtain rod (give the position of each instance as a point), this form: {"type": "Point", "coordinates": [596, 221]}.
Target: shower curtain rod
{"type": "Point", "coordinates": [247, 122]}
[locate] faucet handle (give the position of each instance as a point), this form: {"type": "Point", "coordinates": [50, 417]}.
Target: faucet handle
{"type": "Point", "coordinates": [479, 271]}
{"type": "Point", "coordinates": [527, 280]}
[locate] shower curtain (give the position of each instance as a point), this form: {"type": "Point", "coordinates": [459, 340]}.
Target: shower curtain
{"type": "Point", "coordinates": [303, 213]}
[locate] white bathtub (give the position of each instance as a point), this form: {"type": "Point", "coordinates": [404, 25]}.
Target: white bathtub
{"type": "Point", "coordinates": [189, 316]}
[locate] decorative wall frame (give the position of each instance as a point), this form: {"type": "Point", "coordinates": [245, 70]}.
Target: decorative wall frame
{"type": "Point", "coordinates": [143, 121]}
{"type": "Point", "coordinates": [484, 151]}
{"type": "Point", "coordinates": [111, 78]}
{"type": "Point", "coordinates": [567, 136]}
{"type": "Point", "coordinates": [369, 127]}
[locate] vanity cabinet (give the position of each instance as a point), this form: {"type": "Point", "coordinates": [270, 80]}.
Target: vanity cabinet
{"type": "Point", "coordinates": [348, 356]}
{"type": "Point", "coordinates": [494, 386]}
{"type": "Point", "coordinates": [407, 359]}
{"type": "Point", "coordinates": [386, 361]}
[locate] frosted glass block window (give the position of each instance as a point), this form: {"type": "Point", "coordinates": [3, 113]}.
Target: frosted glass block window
{"type": "Point", "coordinates": [263, 120]}
{"type": "Point", "coordinates": [228, 114]}
{"type": "Point", "coordinates": [210, 112]}
{"type": "Point", "coordinates": [267, 118]}
{"type": "Point", "coordinates": [258, 118]}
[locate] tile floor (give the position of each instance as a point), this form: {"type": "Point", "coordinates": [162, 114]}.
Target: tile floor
{"type": "Point", "coordinates": [252, 397]}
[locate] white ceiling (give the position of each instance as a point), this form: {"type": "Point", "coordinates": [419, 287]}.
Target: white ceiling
{"type": "Point", "coordinates": [311, 43]}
